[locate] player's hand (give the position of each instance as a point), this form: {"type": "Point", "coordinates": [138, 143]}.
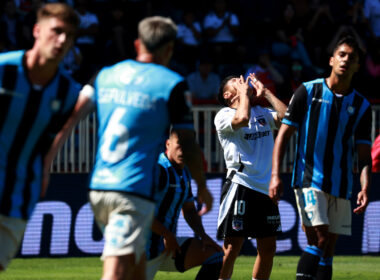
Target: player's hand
{"type": "Point", "coordinates": [276, 189]}
{"type": "Point", "coordinates": [242, 87]}
{"type": "Point", "coordinates": [362, 201]}
{"type": "Point", "coordinates": [257, 85]}
{"type": "Point", "coordinates": [208, 241]}
{"type": "Point", "coordinates": [204, 197]}
{"type": "Point", "coordinates": [171, 245]}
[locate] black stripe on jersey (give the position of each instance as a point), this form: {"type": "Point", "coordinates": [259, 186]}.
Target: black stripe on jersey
{"type": "Point", "coordinates": [356, 103]}
{"type": "Point", "coordinates": [42, 146]}
{"type": "Point", "coordinates": [30, 112]}
{"type": "Point", "coordinates": [311, 134]}
{"type": "Point", "coordinates": [9, 84]}
{"type": "Point", "coordinates": [154, 243]}
{"type": "Point", "coordinates": [328, 159]}
{"type": "Point", "coordinates": [179, 204]}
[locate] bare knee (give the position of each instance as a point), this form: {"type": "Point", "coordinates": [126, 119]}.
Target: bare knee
{"type": "Point", "coordinates": [119, 268]}
{"type": "Point", "coordinates": [266, 247]}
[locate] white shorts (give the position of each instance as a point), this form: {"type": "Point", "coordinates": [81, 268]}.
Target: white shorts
{"type": "Point", "coordinates": [11, 234]}
{"type": "Point", "coordinates": [316, 208]}
{"type": "Point", "coordinates": [162, 262]}
{"type": "Point", "coordinates": [125, 221]}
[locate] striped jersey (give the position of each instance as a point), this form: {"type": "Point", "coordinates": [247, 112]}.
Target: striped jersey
{"type": "Point", "coordinates": [248, 150]}
{"type": "Point", "coordinates": [30, 117]}
{"type": "Point", "coordinates": [174, 189]}
{"type": "Point", "coordinates": [328, 127]}
{"type": "Point", "coordinates": [136, 102]}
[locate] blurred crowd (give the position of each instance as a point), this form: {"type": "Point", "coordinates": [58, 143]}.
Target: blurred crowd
{"type": "Point", "coordinates": [283, 42]}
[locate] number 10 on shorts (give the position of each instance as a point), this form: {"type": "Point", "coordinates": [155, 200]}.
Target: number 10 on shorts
{"type": "Point", "coordinates": [239, 208]}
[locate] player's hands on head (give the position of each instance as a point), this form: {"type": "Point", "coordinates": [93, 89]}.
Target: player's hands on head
{"type": "Point", "coordinates": [257, 85]}
{"type": "Point", "coordinates": [242, 87]}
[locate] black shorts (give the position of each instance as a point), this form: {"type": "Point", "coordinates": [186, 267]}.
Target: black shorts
{"type": "Point", "coordinates": [251, 214]}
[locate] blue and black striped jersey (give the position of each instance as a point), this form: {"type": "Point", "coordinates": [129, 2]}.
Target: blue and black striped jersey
{"type": "Point", "coordinates": [30, 117]}
{"type": "Point", "coordinates": [174, 190]}
{"type": "Point", "coordinates": [328, 127]}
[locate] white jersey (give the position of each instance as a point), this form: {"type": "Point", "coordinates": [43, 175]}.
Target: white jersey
{"type": "Point", "coordinates": [248, 150]}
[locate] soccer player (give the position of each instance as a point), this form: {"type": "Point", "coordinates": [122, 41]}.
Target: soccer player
{"type": "Point", "coordinates": [245, 133]}
{"type": "Point", "coordinates": [135, 102]}
{"type": "Point", "coordinates": [165, 251]}
{"type": "Point", "coordinates": [36, 98]}
{"type": "Point", "coordinates": [330, 118]}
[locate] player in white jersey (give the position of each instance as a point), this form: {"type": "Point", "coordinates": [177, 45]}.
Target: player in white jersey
{"type": "Point", "coordinates": [245, 133]}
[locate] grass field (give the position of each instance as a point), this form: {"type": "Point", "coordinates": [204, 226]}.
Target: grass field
{"type": "Point", "coordinates": [345, 268]}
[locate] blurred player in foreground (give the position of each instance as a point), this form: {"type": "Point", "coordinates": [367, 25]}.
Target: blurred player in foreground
{"type": "Point", "coordinates": [135, 102]}
{"type": "Point", "coordinates": [36, 98]}
{"type": "Point", "coordinates": [330, 118]}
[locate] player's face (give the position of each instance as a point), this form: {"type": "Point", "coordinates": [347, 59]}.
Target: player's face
{"type": "Point", "coordinates": [174, 151]}
{"type": "Point", "coordinates": [344, 61]}
{"type": "Point", "coordinates": [54, 38]}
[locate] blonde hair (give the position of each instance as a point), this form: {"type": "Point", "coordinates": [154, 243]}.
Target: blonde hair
{"type": "Point", "coordinates": [61, 11]}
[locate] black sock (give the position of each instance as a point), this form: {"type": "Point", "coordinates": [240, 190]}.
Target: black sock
{"type": "Point", "coordinates": [210, 269]}
{"type": "Point", "coordinates": [308, 263]}
{"type": "Point", "coordinates": [325, 269]}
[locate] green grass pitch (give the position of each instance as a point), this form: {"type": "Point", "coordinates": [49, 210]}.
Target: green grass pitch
{"type": "Point", "coordinates": [345, 268]}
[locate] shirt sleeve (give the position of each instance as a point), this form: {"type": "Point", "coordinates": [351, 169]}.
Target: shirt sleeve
{"type": "Point", "coordinates": [223, 121]}
{"type": "Point", "coordinates": [363, 130]}
{"type": "Point", "coordinates": [297, 108]}
{"type": "Point", "coordinates": [180, 113]}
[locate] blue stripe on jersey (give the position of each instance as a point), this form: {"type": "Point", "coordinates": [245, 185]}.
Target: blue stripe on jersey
{"type": "Point", "coordinates": [288, 122]}
{"type": "Point", "coordinates": [320, 142]}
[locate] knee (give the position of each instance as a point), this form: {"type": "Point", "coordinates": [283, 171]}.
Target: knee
{"type": "Point", "coordinates": [267, 250]}
{"type": "Point", "coordinates": [323, 240]}
{"type": "Point", "coordinates": [231, 251]}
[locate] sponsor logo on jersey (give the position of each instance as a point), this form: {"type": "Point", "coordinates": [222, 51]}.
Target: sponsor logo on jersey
{"type": "Point", "coordinates": [350, 110]}
{"type": "Point", "coordinates": [256, 135]}
{"type": "Point", "coordinates": [321, 100]}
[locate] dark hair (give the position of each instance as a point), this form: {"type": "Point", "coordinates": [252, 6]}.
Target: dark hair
{"type": "Point", "coordinates": [350, 41]}
{"type": "Point", "coordinates": [221, 90]}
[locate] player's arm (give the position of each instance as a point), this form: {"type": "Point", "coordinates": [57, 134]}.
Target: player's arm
{"type": "Point", "coordinates": [195, 222]}
{"type": "Point", "coordinates": [170, 241]}
{"type": "Point", "coordinates": [276, 103]}
{"type": "Point", "coordinates": [243, 110]}
{"type": "Point", "coordinates": [363, 147]}
{"type": "Point", "coordinates": [293, 116]}
{"type": "Point", "coordinates": [182, 121]}
{"type": "Point", "coordinates": [365, 166]}
{"type": "Point", "coordinates": [83, 107]}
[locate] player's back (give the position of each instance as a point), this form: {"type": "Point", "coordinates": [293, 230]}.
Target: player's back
{"type": "Point", "coordinates": [131, 99]}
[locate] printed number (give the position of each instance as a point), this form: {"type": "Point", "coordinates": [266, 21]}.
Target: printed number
{"type": "Point", "coordinates": [309, 198]}
{"type": "Point", "coordinates": [116, 137]}
{"type": "Point", "coordinates": [239, 207]}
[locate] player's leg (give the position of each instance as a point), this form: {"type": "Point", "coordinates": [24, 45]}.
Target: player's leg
{"type": "Point", "coordinates": [11, 234]}
{"type": "Point", "coordinates": [339, 215]}
{"type": "Point", "coordinates": [266, 249]}
{"type": "Point", "coordinates": [231, 248]}
{"type": "Point", "coordinates": [126, 221]}
{"type": "Point", "coordinates": [210, 258]}
{"type": "Point", "coordinates": [325, 264]}
{"type": "Point", "coordinates": [313, 207]}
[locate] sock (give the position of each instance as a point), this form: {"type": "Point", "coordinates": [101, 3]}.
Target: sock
{"type": "Point", "coordinates": [325, 269]}
{"type": "Point", "coordinates": [211, 267]}
{"type": "Point", "coordinates": [308, 263]}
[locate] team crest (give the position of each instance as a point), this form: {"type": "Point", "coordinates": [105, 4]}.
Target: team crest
{"type": "Point", "coordinates": [262, 121]}
{"type": "Point", "coordinates": [55, 105]}
{"type": "Point", "coordinates": [237, 224]}
{"type": "Point", "coordinates": [350, 110]}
